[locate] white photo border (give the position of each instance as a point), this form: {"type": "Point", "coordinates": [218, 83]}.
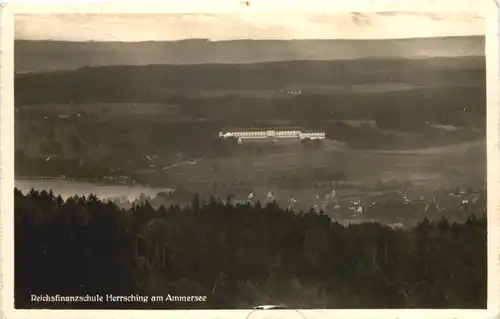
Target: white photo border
{"type": "Point", "coordinates": [487, 8]}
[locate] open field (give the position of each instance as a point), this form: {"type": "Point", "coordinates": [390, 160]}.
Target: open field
{"type": "Point", "coordinates": [460, 165]}
{"type": "Point", "coordinates": [369, 177]}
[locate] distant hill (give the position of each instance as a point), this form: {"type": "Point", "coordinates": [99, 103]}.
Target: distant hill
{"type": "Point", "coordinates": [155, 83]}
{"type": "Point", "coordinates": [39, 56]}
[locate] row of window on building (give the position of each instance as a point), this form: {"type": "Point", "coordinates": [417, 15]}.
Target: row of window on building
{"type": "Point", "coordinates": [272, 133]}
{"type": "Point", "coordinates": [249, 133]}
{"type": "Point", "coordinates": [288, 133]}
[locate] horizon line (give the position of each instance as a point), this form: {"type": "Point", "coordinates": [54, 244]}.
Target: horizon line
{"type": "Point", "coordinates": [249, 39]}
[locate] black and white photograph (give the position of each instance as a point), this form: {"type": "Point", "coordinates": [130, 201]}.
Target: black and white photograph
{"type": "Point", "coordinates": [254, 161]}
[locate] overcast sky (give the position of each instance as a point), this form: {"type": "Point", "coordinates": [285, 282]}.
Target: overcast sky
{"type": "Point", "coordinates": [165, 27]}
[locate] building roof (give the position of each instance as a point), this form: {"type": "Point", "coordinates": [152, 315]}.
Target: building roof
{"type": "Point", "coordinates": [313, 131]}
{"type": "Point", "coordinates": [253, 129]}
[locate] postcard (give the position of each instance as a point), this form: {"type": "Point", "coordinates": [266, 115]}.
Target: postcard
{"type": "Point", "coordinates": [250, 160]}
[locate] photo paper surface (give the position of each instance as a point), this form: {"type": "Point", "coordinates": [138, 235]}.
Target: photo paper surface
{"type": "Point", "coordinates": [253, 163]}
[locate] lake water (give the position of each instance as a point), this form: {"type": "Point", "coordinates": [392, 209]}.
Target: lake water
{"type": "Point", "coordinates": [67, 188]}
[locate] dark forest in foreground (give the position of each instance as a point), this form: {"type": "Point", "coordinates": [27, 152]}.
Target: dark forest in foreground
{"type": "Point", "coordinates": [242, 255]}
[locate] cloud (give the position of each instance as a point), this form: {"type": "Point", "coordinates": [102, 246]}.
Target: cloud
{"type": "Point", "coordinates": [165, 27]}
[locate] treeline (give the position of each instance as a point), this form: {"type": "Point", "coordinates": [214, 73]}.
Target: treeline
{"type": "Point", "coordinates": [241, 255]}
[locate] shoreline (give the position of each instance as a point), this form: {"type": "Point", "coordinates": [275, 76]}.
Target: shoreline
{"type": "Point", "coordinates": [69, 187]}
{"type": "Point", "coordinates": [82, 180]}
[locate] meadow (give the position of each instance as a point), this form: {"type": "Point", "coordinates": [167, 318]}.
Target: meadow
{"type": "Point", "coordinates": [124, 134]}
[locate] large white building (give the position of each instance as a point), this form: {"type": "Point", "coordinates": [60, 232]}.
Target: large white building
{"type": "Point", "coordinates": [275, 134]}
